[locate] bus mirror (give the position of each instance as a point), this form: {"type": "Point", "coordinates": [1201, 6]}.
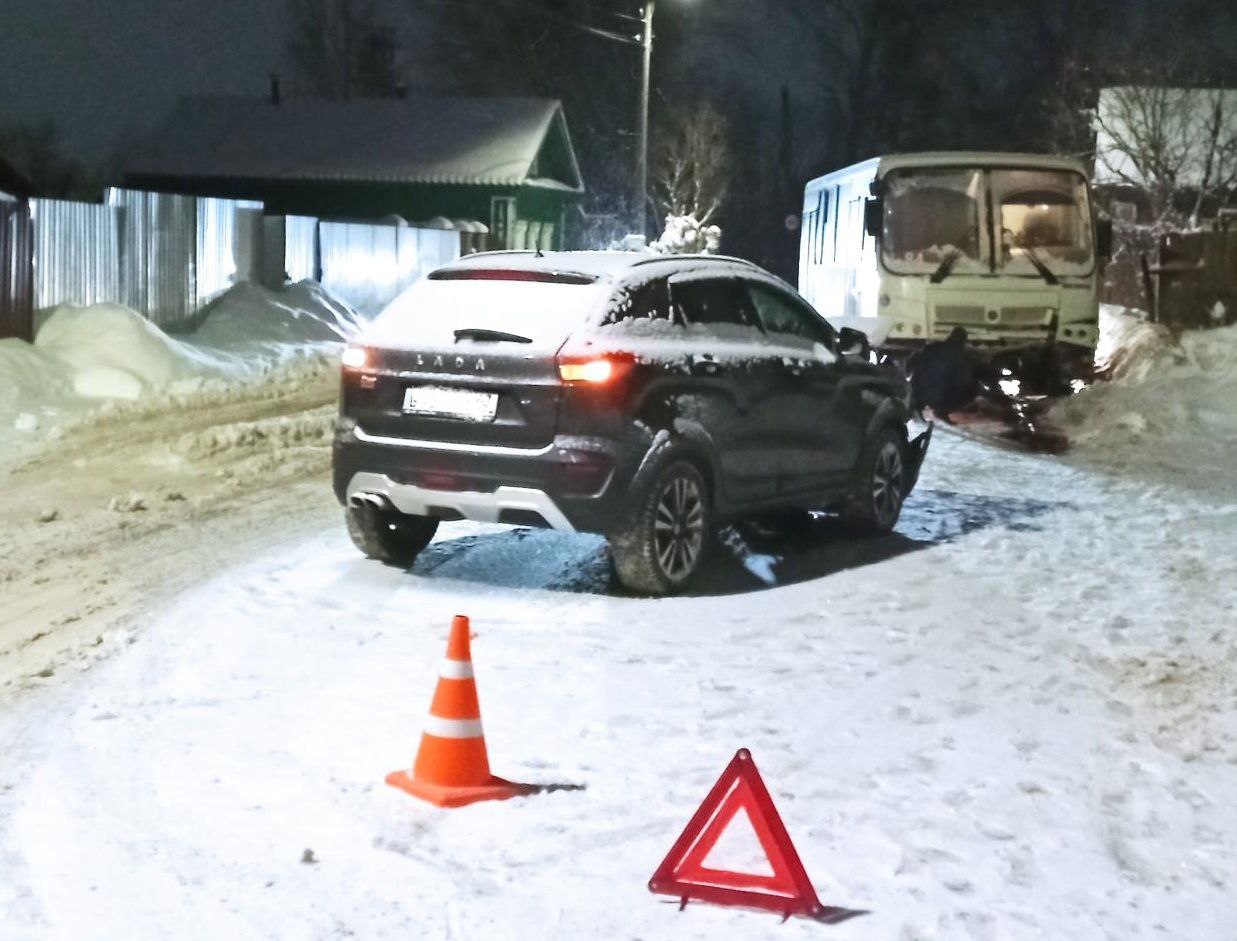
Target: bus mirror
{"type": "Point", "coordinates": [873, 216]}
{"type": "Point", "coordinates": [1103, 238]}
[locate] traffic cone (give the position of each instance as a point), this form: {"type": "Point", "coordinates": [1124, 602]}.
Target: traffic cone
{"type": "Point", "coordinates": [452, 768]}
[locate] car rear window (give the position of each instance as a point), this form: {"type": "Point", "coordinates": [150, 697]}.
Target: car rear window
{"type": "Point", "coordinates": [430, 311]}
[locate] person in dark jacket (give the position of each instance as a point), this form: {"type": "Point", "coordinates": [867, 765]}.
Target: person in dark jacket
{"type": "Point", "coordinates": [946, 376]}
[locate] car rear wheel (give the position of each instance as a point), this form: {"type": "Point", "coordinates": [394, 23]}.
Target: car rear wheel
{"type": "Point", "coordinates": [388, 535]}
{"type": "Point", "coordinates": [881, 485]}
{"type": "Point", "coordinates": [663, 542]}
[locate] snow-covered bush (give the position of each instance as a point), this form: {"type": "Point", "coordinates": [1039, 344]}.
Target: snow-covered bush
{"type": "Point", "coordinates": [683, 235]}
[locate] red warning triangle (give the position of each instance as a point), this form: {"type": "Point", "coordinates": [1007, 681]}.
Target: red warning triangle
{"type": "Point", "coordinates": [684, 874]}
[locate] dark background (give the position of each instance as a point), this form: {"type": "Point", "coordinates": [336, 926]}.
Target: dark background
{"type": "Point", "coordinates": [804, 85]}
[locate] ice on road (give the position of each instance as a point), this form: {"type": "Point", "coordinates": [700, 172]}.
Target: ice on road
{"type": "Point", "coordinates": [1013, 719]}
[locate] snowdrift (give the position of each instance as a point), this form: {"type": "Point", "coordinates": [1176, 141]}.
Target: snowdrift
{"type": "Point", "coordinates": [112, 352]}
{"type": "Point", "coordinates": [248, 315]}
{"type": "Point", "coordinates": [85, 357]}
{"type": "Point", "coordinates": [1167, 404]}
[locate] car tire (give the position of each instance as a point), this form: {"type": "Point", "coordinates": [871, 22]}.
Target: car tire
{"type": "Point", "coordinates": [881, 485]}
{"type": "Point", "coordinates": [388, 535]}
{"type": "Point", "coordinates": [667, 530]}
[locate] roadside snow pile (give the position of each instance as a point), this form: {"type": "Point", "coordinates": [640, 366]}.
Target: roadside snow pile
{"type": "Point", "coordinates": [30, 381]}
{"type": "Point", "coordinates": [1167, 405]}
{"type": "Point", "coordinates": [248, 316]}
{"type": "Point", "coordinates": [113, 352]}
{"type": "Point", "coordinates": [1128, 344]}
{"type": "Point", "coordinates": [88, 361]}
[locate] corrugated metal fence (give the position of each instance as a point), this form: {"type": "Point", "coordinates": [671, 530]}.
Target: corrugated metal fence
{"type": "Point", "coordinates": [368, 265]}
{"type": "Point", "coordinates": [16, 271]}
{"type": "Point", "coordinates": [76, 253]}
{"type": "Point", "coordinates": [168, 256]}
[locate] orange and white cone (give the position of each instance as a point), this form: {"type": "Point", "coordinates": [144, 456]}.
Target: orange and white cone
{"type": "Point", "coordinates": [452, 768]}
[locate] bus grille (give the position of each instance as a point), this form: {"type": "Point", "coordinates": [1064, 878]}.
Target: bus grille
{"type": "Point", "coordinates": [969, 315]}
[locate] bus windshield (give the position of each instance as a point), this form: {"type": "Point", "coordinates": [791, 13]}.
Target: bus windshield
{"type": "Point", "coordinates": [1040, 220]}
{"type": "Point", "coordinates": [1043, 216]}
{"type": "Point", "coordinates": [932, 215]}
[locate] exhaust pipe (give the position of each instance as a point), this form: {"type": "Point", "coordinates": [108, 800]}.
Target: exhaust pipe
{"type": "Point", "coordinates": [375, 501]}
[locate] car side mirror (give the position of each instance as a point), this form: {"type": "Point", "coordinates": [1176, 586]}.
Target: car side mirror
{"type": "Point", "coordinates": [873, 215]}
{"type": "Point", "coordinates": [1103, 238]}
{"type": "Point", "coordinates": [852, 342]}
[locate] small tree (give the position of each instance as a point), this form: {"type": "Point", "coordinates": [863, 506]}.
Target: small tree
{"type": "Point", "coordinates": [691, 166]}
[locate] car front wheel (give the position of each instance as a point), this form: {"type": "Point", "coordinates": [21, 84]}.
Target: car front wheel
{"type": "Point", "coordinates": [881, 484]}
{"type": "Point", "coordinates": [662, 543]}
{"type": "Point", "coordinates": [388, 535]}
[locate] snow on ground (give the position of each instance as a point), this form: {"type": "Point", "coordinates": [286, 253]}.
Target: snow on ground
{"type": "Point", "coordinates": [85, 357]}
{"type": "Point", "coordinates": [1168, 411]}
{"type": "Point", "coordinates": [1012, 719]}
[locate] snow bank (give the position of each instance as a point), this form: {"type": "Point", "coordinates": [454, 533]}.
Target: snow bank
{"type": "Point", "coordinates": [84, 358]}
{"type": "Point", "coordinates": [112, 352]}
{"type": "Point", "coordinates": [248, 315]}
{"type": "Point", "coordinates": [1167, 405]}
{"type": "Point", "coordinates": [1128, 344]}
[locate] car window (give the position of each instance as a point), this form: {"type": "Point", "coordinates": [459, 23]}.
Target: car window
{"type": "Point", "coordinates": [713, 301]}
{"type": "Point", "coordinates": [649, 301]}
{"type": "Point", "coordinates": [780, 313]}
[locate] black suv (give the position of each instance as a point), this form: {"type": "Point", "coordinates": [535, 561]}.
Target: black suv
{"type": "Point", "coordinates": [647, 398]}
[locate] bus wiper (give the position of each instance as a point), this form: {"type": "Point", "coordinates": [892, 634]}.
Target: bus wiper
{"type": "Point", "coordinates": [1044, 271]}
{"type": "Point", "coordinates": [489, 336]}
{"type": "Point", "coordinates": [946, 265]}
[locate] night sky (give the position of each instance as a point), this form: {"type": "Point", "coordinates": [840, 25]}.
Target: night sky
{"type": "Point", "coordinates": [106, 70]}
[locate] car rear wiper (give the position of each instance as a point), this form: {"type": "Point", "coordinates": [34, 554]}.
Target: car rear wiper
{"type": "Point", "coordinates": [1044, 271]}
{"type": "Point", "coordinates": [946, 265]}
{"type": "Point", "coordinates": [491, 336]}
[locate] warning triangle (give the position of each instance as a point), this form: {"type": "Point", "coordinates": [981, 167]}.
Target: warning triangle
{"type": "Point", "coordinates": [684, 873]}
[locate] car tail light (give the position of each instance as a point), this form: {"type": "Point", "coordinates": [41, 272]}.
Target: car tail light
{"type": "Point", "coordinates": [595, 370]}
{"type": "Point", "coordinates": [355, 357]}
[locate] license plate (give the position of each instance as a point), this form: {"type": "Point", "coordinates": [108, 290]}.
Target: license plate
{"type": "Point", "coordinates": [442, 402]}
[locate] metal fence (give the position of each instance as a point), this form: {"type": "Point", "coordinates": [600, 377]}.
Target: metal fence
{"type": "Point", "coordinates": [157, 257]}
{"type": "Point", "coordinates": [368, 265]}
{"type": "Point", "coordinates": [167, 256]}
{"type": "Point", "coordinates": [16, 270]}
{"type": "Point", "coordinates": [229, 246]}
{"type": "Point", "coordinates": [76, 253]}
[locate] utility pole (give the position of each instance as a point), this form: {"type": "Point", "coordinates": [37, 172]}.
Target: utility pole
{"type": "Point", "coordinates": [642, 166]}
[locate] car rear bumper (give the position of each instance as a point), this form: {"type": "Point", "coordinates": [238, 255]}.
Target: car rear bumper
{"type": "Point", "coordinates": [572, 484]}
{"type": "Point", "coordinates": [503, 505]}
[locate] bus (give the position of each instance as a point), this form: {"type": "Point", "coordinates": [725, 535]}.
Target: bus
{"type": "Point", "coordinates": [906, 248]}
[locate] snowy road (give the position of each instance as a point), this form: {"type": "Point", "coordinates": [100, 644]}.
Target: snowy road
{"type": "Point", "coordinates": [1014, 719]}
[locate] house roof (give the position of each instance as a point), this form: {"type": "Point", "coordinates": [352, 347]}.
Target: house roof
{"type": "Point", "coordinates": [11, 181]}
{"type": "Point", "coordinates": [1178, 120]}
{"type": "Point", "coordinates": [485, 141]}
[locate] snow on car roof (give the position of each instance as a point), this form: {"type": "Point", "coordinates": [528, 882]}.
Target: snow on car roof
{"type": "Point", "coordinates": [603, 265]}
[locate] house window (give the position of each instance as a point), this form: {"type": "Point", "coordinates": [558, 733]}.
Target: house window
{"type": "Point", "coordinates": [502, 218]}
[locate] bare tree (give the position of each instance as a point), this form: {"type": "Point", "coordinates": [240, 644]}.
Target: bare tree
{"type": "Point", "coordinates": [691, 165]}
{"type": "Point", "coordinates": [341, 50]}
{"type": "Point", "coordinates": [1168, 142]}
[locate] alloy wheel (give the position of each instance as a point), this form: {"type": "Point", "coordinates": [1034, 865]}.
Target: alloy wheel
{"type": "Point", "coordinates": [887, 484]}
{"type": "Point", "coordinates": [678, 528]}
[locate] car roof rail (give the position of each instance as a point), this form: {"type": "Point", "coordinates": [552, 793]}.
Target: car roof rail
{"type": "Point", "coordinates": [729, 259]}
